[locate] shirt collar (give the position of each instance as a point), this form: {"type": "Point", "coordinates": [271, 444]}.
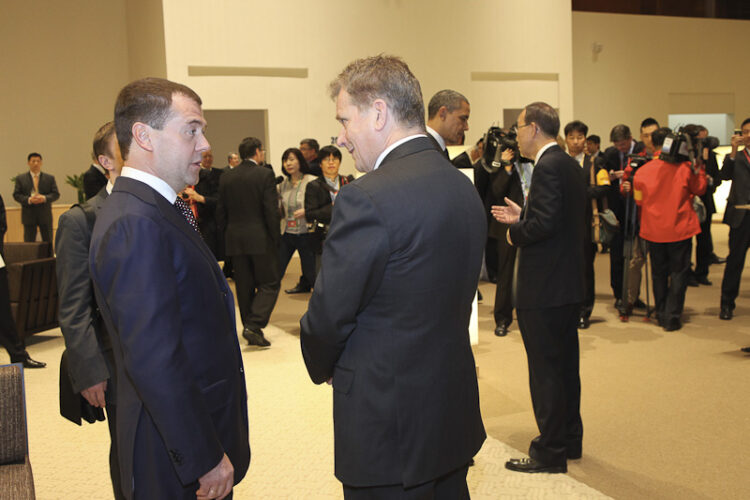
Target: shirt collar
{"type": "Point", "coordinates": [437, 137]}
{"type": "Point", "coordinates": [543, 149]}
{"type": "Point", "coordinates": [152, 181]}
{"type": "Point", "coordinates": [394, 146]}
{"type": "Point", "coordinates": [579, 158]}
{"type": "Point", "coordinates": [110, 185]}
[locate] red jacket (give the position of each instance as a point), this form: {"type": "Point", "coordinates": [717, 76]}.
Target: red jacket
{"type": "Point", "coordinates": [665, 191]}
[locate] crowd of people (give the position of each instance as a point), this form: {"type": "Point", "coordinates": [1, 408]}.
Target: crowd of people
{"type": "Point", "coordinates": [381, 327]}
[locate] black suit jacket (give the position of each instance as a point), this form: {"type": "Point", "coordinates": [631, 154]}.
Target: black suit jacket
{"type": "Point", "coordinates": [180, 380]}
{"type": "Point", "coordinates": [389, 316]}
{"type": "Point", "coordinates": [86, 339]}
{"type": "Point", "coordinates": [612, 162]}
{"type": "Point", "coordinates": [36, 214]}
{"type": "Point", "coordinates": [503, 185]}
{"type": "Point", "coordinates": [319, 206]}
{"type": "Point", "coordinates": [93, 182]}
{"type": "Point", "coordinates": [248, 210]}
{"type": "Point", "coordinates": [549, 234]}
{"type": "Point", "coordinates": [737, 171]}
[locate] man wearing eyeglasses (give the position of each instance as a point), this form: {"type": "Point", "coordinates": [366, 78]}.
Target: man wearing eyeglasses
{"type": "Point", "coordinates": [548, 232]}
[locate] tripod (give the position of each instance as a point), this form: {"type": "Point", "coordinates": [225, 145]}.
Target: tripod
{"type": "Point", "coordinates": [630, 243]}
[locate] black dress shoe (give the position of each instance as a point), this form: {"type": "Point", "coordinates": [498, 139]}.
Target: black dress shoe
{"type": "Point", "coordinates": [583, 323]}
{"type": "Point", "coordinates": [530, 465]}
{"type": "Point", "coordinates": [501, 330]}
{"type": "Point", "coordinates": [573, 454]}
{"type": "Point", "coordinates": [255, 337]}
{"type": "Point", "coordinates": [479, 296]}
{"type": "Point", "coordinates": [618, 304]}
{"type": "Point", "coordinates": [639, 304]}
{"type": "Point", "coordinates": [703, 281]}
{"type": "Point", "coordinates": [745, 349]}
{"type": "Point", "coordinates": [30, 363]}
{"type": "Point", "coordinates": [715, 259]}
{"type": "Point", "coordinates": [725, 313]}
{"type": "Point", "coordinates": [672, 325]}
{"type": "Point", "coordinates": [692, 281]}
{"type": "Point", "coordinates": [298, 289]}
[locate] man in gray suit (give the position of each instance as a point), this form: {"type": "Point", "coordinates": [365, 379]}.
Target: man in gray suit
{"type": "Point", "coordinates": [248, 213]}
{"type": "Point", "coordinates": [88, 349]}
{"type": "Point", "coordinates": [382, 325]}
{"type": "Point", "coordinates": [36, 191]}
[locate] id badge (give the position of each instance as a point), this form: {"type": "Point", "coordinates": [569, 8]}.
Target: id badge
{"type": "Point", "coordinates": [291, 223]}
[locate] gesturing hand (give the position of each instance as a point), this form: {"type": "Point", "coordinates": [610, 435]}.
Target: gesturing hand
{"type": "Point", "coordinates": [507, 215]}
{"type": "Point", "coordinates": [216, 483]}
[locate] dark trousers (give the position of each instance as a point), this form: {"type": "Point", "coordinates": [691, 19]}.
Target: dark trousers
{"type": "Point", "coordinates": [670, 268]}
{"type": "Point", "coordinates": [303, 244]}
{"type": "Point", "coordinates": [29, 232]}
{"type": "Point", "coordinates": [589, 253]}
{"type": "Point", "coordinates": [739, 241]}
{"type": "Point", "coordinates": [491, 258]}
{"type": "Point", "coordinates": [257, 282]}
{"type": "Point", "coordinates": [8, 334]}
{"type": "Point", "coordinates": [550, 336]}
{"type": "Point", "coordinates": [506, 258]}
{"type": "Point", "coordinates": [616, 264]}
{"type": "Point", "coordinates": [451, 486]}
{"type": "Point", "coordinates": [110, 397]}
{"type": "Point", "coordinates": [704, 248]}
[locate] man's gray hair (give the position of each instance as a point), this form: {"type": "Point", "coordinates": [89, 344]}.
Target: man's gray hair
{"type": "Point", "coordinates": [383, 77]}
{"type": "Point", "coordinates": [451, 99]}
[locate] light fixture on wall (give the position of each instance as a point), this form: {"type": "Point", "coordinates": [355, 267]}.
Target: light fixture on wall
{"type": "Point", "coordinates": [596, 48]}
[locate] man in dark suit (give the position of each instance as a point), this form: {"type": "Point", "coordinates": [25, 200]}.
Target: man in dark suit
{"type": "Point", "coordinates": [447, 120]}
{"type": "Point", "coordinates": [88, 348]}
{"type": "Point", "coordinates": [549, 289]}
{"type": "Point", "coordinates": [36, 191]}
{"type": "Point", "coordinates": [248, 213]}
{"type": "Point", "coordinates": [736, 168]}
{"type": "Point", "coordinates": [94, 179]}
{"type": "Point", "coordinates": [9, 337]}
{"type": "Point", "coordinates": [182, 427]}
{"type": "Point", "coordinates": [704, 244]}
{"type": "Point", "coordinates": [616, 159]}
{"type": "Point", "coordinates": [310, 149]}
{"type": "Point", "coordinates": [206, 195]}
{"type": "Point", "coordinates": [233, 159]}
{"type": "Point", "coordinates": [382, 326]}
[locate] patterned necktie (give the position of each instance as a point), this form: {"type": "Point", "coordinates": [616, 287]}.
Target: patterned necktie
{"type": "Point", "coordinates": [184, 209]}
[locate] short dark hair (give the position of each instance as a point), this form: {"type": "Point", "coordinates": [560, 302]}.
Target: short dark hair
{"type": "Point", "coordinates": [148, 101]}
{"type": "Point", "coordinates": [545, 117]}
{"type": "Point", "coordinates": [648, 122]}
{"type": "Point", "coordinates": [229, 156]}
{"type": "Point", "coordinates": [747, 120]}
{"type": "Point", "coordinates": [658, 135]}
{"type": "Point", "coordinates": [248, 147]}
{"type": "Point", "coordinates": [303, 167]}
{"type": "Point", "coordinates": [620, 132]}
{"type": "Point", "coordinates": [327, 151]}
{"type": "Point", "coordinates": [576, 126]}
{"type": "Point", "coordinates": [594, 138]}
{"type": "Point", "coordinates": [101, 141]}
{"type": "Point", "coordinates": [33, 155]}
{"type": "Point", "coordinates": [451, 99]}
{"type": "Point", "coordinates": [312, 143]}
{"type": "Point", "coordinates": [383, 77]}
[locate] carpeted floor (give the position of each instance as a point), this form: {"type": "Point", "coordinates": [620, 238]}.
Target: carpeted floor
{"type": "Point", "coordinates": [666, 414]}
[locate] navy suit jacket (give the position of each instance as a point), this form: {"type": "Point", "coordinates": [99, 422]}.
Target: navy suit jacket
{"type": "Point", "coordinates": [170, 313]}
{"type": "Point", "coordinates": [549, 234]}
{"type": "Point", "coordinates": [738, 172]}
{"type": "Point", "coordinates": [389, 318]}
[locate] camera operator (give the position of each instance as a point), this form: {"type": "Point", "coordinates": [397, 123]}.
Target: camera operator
{"type": "Point", "coordinates": [616, 159]}
{"type": "Point", "coordinates": [736, 168]}
{"type": "Point", "coordinates": [664, 189]}
{"type": "Point", "coordinates": [509, 177]}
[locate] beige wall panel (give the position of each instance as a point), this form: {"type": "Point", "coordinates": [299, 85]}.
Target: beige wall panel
{"type": "Point", "coordinates": [654, 66]}
{"type": "Point", "coordinates": [62, 65]}
{"type": "Point", "coordinates": [442, 41]}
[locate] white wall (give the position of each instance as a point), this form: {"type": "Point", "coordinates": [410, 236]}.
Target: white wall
{"type": "Point", "coordinates": [442, 41]}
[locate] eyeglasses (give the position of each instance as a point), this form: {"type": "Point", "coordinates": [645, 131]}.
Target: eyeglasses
{"type": "Point", "coordinates": [518, 127]}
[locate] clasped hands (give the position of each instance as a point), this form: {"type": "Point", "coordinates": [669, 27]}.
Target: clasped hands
{"type": "Point", "coordinates": [37, 199]}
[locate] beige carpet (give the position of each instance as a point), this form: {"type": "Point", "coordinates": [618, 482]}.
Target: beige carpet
{"type": "Point", "coordinates": [666, 415]}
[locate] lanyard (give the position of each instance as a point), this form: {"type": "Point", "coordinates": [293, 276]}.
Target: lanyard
{"type": "Point", "coordinates": [293, 206]}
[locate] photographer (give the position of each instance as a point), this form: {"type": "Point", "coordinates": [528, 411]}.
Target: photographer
{"type": "Point", "coordinates": [509, 177]}
{"type": "Point", "coordinates": [664, 189]}
{"type": "Point", "coordinates": [736, 168]}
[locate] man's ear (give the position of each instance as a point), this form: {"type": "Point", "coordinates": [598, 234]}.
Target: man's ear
{"type": "Point", "coordinates": [380, 108]}
{"type": "Point", "coordinates": [443, 112]}
{"type": "Point", "coordinates": [142, 135]}
{"type": "Point", "coordinates": [106, 163]}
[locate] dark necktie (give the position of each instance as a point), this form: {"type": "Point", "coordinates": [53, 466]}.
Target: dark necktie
{"type": "Point", "coordinates": [184, 209]}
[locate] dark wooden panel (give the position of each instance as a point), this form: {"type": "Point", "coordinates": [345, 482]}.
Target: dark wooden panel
{"type": "Point", "coordinates": [726, 9]}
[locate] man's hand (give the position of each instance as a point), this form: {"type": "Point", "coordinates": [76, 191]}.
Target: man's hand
{"type": "Point", "coordinates": [626, 187]}
{"type": "Point", "coordinates": [217, 483]}
{"type": "Point", "coordinates": [616, 174]}
{"type": "Point", "coordinates": [507, 215]}
{"type": "Point", "coordinates": [299, 213]}
{"type": "Point", "coordinates": [37, 199]}
{"type": "Point", "coordinates": [507, 157]}
{"type": "Point", "coordinates": [736, 142]}
{"type": "Point", "coordinates": [193, 195]}
{"type": "Point", "coordinates": [95, 394]}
